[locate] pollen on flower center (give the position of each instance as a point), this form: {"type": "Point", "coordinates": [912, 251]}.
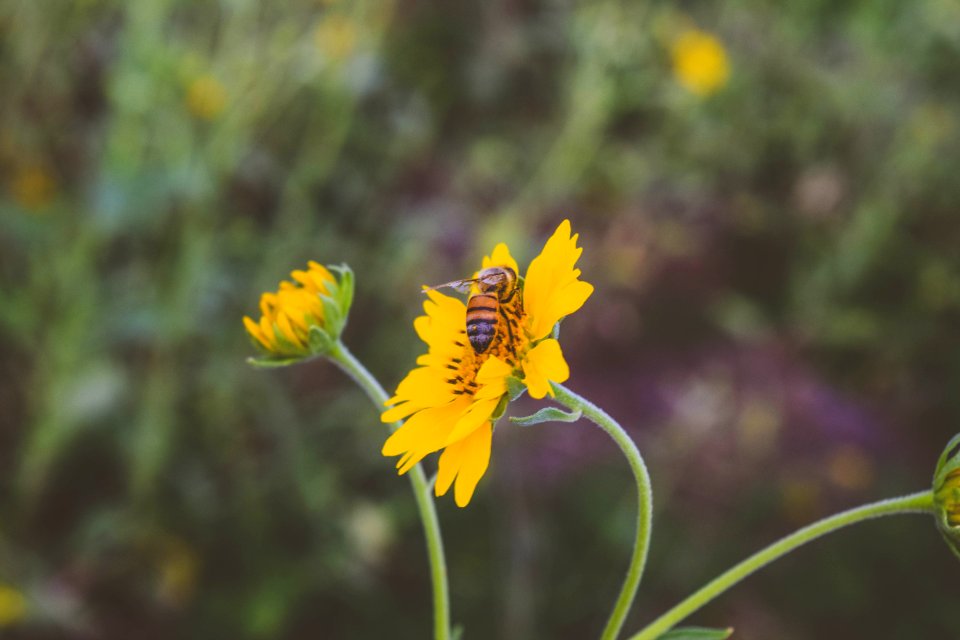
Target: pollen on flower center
{"type": "Point", "coordinates": [509, 346]}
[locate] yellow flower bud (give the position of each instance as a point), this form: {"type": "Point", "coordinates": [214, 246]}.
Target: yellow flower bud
{"type": "Point", "coordinates": [946, 494]}
{"type": "Point", "coordinates": [304, 317]}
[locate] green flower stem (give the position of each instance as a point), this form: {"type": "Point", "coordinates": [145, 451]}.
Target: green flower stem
{"type": "Point", "coordinates": [644, 510]}
{"type": "Point", "coordinates": [921, 502]}
{"type": "Point", "coordinates": [421, 492]}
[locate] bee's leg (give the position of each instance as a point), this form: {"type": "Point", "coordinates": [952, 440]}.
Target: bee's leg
{"type": "Point", "coordinates": [509, 326]}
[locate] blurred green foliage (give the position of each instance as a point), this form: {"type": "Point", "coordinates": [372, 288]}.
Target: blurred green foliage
{"type": "Point", "coordinates": [776, 309]}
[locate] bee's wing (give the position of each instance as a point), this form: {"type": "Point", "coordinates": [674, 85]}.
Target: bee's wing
{"type": "Point", "coordinates": [492, 279]}
{"type": "Point", "coordinates": [463, 286]}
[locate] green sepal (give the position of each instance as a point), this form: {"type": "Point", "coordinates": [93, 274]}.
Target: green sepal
{"type": "Point", "coordinates": [949, 460]}
{"type": "Point", "coordinates": [344, 287]}
{"type": "Point", "coordinates": [338, 299]}
{"type": "Point", "coordinates": [548, 414]}
{"type": "Point", "coordinates": [515, 387]}
{"type": "Point", "coordinates": [500, 409]}
{"type": "Point", "coordinates": [697, 633]}
{"type": "Point", "coordinates": [333, 318]}
{"type": "Point", "coordinates": [953, 544]}
{"type": "Point", "coordinates": [457, 632]}
{"type": "Point", "coordinates": [321, 342]}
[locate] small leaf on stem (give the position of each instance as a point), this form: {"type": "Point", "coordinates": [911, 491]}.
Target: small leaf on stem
{"type": "Point", "coordinates": [697, 633]}
{"type": "Point", "coordinates": [548, 414]}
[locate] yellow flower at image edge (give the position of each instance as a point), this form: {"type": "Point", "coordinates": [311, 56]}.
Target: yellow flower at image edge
{"type": "Point", "coordinates": [700, 62]}
{"type": "Point", "coordinates": [452, 399]}
{"type": "Point", "coordinates": [289, 314]}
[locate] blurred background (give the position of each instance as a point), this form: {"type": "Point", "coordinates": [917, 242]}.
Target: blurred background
{"type": "Point", "coordinates": [767, 197]}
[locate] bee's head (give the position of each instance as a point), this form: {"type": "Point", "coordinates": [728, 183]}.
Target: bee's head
{"type": "Point", "coordinates": [496, 279]}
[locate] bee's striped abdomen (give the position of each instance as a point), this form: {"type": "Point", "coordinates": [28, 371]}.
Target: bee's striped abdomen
{"type": "Point", "coordinates": [482, 320]}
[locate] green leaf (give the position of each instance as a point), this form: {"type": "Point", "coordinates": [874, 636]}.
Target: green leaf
{"type": "Point", "coordinates": [697, 633]}
{"type": "Point", "coordinates": [273, 363]}
{"type": "Point", "coordinates": [548, 414]}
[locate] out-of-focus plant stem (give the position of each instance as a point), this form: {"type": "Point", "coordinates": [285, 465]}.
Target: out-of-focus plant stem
{"type": "Point", "coordinates": [421, 491]}
{"type": "Point", "coordinates": [921, 502]}
{"type": "Point", "coordinates": [641, 544]}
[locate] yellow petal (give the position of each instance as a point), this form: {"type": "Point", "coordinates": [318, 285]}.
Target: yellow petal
{"type": "Point", "coordinates": [424, 433]}
{"type": "Point", "coordinates": [500, 257]}
{"type": "Point", "coordinates": [476, 415]}
{"type": "Point", "coordinates": [552, 289]}
{"type": "Point", "coordinates": [254, 330]}
{"type": "Point", "coordinates": [544, 363]}
{"type": "Point", "coordinates": [444, 325]}
{"type": "Point", "coordinates": [314, 279]}
{"type": "Point", "coordinates": [286, 330]}
{"type": "Point", "coordinates": [423, 387]}
{"type": "Point", "coordinates": [268, 334]}
{"type": "Point", "coordinates": [268, 302]}
{"type": "Point", "coordinates": [467, 461]}
{"type": "Point", "coordinates": [492, 378]}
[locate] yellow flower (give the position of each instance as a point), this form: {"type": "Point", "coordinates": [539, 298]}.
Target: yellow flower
{"type": "Point", "coordinates": [33, 187]}
{"type": "Point", "coordinates": [289, 314]}
{"type": "Point", "coordinates": [453, 398]}
{"type": "Point", "coordinates": [206, 97]}
{"type": "Point", "coordinates": [700, 62]}
{"type": "Point", "coordinates": [336, 37]}
{"type": "Point", "coordinates": [13, 606]}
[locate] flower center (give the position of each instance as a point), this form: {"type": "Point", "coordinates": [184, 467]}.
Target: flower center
{"type": "Point", "coordinates": [509, 344]}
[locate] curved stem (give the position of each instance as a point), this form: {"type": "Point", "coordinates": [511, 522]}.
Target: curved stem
{"type": "Point", "coordinates": [421, 492]}
{"type": "Point", "coordinates": [644, 509]}
{"type": "Point", "coordinates": [921, 502]}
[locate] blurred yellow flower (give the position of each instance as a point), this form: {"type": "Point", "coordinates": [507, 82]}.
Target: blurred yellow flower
{"type": "Point", "coordinates": [288, 315]}
{"type": "Point", "coordinates": [700, 62]}
{"type": "Point", "coordinates": [456, 394]}
{"type": "Point", "coordinates": [13, 606]}
{"type": "Point", "coordinates": [336, 36]}
{"type": "Point", "coordinates": [850, 468]}
{"type": "Point", "coordinates": [177, 568]}
{"type": "Point", "coordinates": [33, 187]}
{"type": "Point", "coordinates": [206, 97]}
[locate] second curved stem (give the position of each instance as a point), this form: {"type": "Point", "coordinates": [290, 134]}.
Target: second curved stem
{"type": "Point", "coordinates": [920, 502]}
{"type": "Point", "coordinates": [641, 544]}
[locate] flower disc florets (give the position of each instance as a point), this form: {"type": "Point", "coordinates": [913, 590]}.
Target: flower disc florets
{"type": "Point", "coordinates": [452, 399]}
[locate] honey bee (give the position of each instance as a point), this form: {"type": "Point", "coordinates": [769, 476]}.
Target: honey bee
{"type": "Point", "coordinates": [497, 286]}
